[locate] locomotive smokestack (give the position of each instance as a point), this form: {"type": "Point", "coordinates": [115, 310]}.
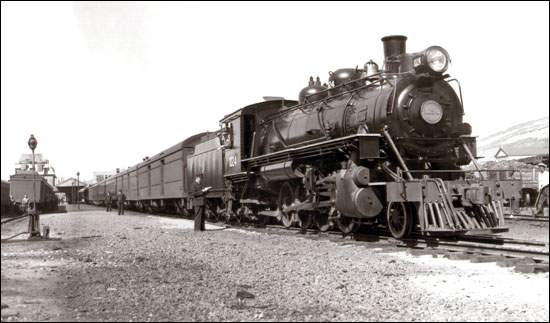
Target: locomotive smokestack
{"type": "Point", "coordinates": [394, 45]}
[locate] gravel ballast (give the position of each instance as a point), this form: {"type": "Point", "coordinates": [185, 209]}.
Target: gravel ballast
{"type": "Point", "coordinates": [139, 267]}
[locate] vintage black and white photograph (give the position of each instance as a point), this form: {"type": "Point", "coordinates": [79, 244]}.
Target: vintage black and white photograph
{"type": "Point", "coordinates": [274, 161]}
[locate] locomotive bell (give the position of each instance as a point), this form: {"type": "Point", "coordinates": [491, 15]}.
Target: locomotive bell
{"type": "Point", "coordinates": [313, 92]}
{"type": "Point", "coordinates": [371, 68]}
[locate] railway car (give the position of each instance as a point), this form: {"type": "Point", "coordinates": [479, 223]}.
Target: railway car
{"type": "Point", "coordinates": [5, 198]}
{"type": "Point", "coordinates": [36, 188]}
{"type": "Point", "coordinates": [93, 194]}
{"type": "Point", "coordinates": [157, 183]}
{"type": "Point", "coordinates": [83, 194]}
{"type": "Point", "coordinates": [371, 147]}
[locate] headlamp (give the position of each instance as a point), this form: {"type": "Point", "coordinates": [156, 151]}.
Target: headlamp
{"type": "Point", "coordinates": [437, 59]}
{"type": "Point", "coordinates": [431, 111]}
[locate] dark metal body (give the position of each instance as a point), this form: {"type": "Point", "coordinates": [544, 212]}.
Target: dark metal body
{"type": "Point", "coordinates": [394, 103]}
{"type": "Point", "coordinates": [5, 198]}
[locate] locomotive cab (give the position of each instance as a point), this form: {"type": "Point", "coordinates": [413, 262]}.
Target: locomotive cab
{"type": "Point", "coordinates": [239, 132]}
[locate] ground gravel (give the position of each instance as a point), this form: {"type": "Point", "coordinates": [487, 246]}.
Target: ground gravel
{"type": "Point", "coordinates": [528, 230]}
{"type": "Point", "coordinates": [148, 268]}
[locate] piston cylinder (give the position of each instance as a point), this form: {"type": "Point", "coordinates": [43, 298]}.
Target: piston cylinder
{"type": "Point", "coordinates": [354, 201]}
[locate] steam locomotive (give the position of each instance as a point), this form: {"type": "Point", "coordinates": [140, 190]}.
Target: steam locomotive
{"type": "Point", "coordinates": [372, 147]}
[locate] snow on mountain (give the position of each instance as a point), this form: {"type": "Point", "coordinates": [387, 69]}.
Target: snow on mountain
{"type": "Point", "coordinates": [527, 138]}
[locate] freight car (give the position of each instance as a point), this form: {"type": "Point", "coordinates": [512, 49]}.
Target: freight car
{"type": "Point", "coordinates": [35, 187]}
{"type": "Point", "coordinates": [372, 147]}
{"type": "Point", "coordinates": [5, 200]}
{"type": "Point", "coordinates": [83, 194]}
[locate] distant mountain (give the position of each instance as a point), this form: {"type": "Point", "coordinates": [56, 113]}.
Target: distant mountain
{"type": "Point", "coordinates": [524, 139]}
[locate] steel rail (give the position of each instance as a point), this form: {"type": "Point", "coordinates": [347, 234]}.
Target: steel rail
{"type": "Point", "coordinates": [493, 247]}
{"type": "Point", "coordinates": [482, 245]}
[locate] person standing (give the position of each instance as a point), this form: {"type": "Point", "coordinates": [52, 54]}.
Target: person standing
{"type": "Point", "coordinates": [198, 191]}
{"type": "Point", "coordinates": [12, 205]}
{"type": "Point", "coordinates": [25, 203]}
{"type": "Point", "coordinates": [228, 199]}
{"type": "Point", "coordinates": [542, 199]}
{"type": "Point", "coordinates": [121, 199]}
{"type": "Point", "coordinates": [108, 201]}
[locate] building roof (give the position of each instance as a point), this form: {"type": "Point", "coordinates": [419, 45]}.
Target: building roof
{"type": "Point", "coordinates": [100, 173]}
{"type": "Point", "coordinates": [70, 182]}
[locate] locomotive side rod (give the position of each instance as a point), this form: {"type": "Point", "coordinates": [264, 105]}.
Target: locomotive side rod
{"type": "Point", "coordinates": [396, 152]}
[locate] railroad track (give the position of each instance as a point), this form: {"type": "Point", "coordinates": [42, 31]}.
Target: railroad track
{"type": "Point", "coordinates": [528, 256]}
{"type": "Point", "coordinates": [523, 214]}
{"type": "Point", "coordinates": [507, 249]}
{"type": "Point", "coordinates": [511, 217]}
{"type": "Point", "coordinates": [524, 255]}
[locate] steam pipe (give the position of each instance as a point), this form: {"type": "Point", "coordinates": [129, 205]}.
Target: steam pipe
{"type": "Point", "coordinates": [397, 154]}
{"type": "Point", "coordinates": [472, 158]}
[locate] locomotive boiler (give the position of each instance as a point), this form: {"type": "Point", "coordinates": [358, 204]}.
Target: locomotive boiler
{"type": "Point", "coordinates": [417, 105]}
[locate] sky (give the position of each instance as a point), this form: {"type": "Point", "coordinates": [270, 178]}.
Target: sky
{"type": "Point", "coordinates": [102, 85]}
